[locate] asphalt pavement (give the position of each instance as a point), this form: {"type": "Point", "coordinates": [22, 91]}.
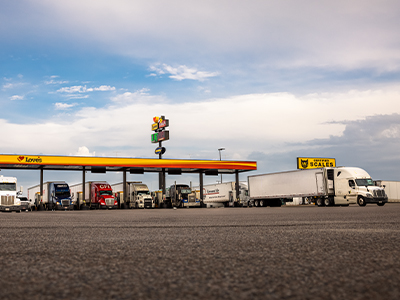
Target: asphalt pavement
{"type": "Point", "coordinates": [303, 252]}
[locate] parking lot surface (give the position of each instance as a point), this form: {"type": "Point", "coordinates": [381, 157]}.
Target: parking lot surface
{"type": "Point", "coordinates": [304, 252]}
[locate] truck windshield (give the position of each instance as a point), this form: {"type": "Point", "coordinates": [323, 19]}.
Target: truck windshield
{"type": "Point", "coordinates": [8, 186]}
{"type": "Point", "coordinates": [107, 193]}
{"type": "Point", "coordinates": [186, 191]}
{"type": "Point", "coordinates": [143, 193]}
{"type": "Point", "coordinates": [62, 191]}
{"type": "Point", "coordinates": [364, 182]}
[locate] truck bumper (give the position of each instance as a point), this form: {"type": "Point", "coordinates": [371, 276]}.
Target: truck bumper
{"type": "Point", "coordinates": [108, 206]}
{"type": "Point", "coordinates": [10, 208]}
{"type": "Point", "coordinates": [65, 207]}
{"type": "Point", "coordinates": [376, 200]}
{"type": "Point", "coordinates": [24, 207]}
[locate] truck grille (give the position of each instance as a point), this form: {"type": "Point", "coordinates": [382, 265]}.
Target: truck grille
{"type": "Point", "coordinates": [110, 202]}
{"type": "Point", "coordinates": [7, 200]}
{"type": "Point", "coordinates": [191, 198]}
{"type": "Point", "coordinates": [379, 194]}
{"type": "Point", "coordinates": [148, 202]}
{"type": "Point", "coordinates": [65, 202]}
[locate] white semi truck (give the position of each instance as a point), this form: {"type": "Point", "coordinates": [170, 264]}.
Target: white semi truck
{"type": "Point", "coordinates": [224, 194]}
{"type": "Point", "coordinates": [8, 194]}
{"type": "Point", "coordinates": [392, 189]}
{"type": "Point", "coordinates": [137, 195]}
{"type": "Point", "coordinates": [325, 186]}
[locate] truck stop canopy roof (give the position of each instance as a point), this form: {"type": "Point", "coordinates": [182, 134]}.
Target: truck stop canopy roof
{"type": "Point", "coordinates": [134, 165]}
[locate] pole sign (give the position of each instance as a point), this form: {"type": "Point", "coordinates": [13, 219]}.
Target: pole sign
{"type": "Point", "coordinates": [315, 162]}
{"type": "Point", "coordinates": [159, 125]}
{"type": "Point", "coordinates": [159, 150]}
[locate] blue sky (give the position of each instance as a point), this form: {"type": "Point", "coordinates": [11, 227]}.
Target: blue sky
{"type": "Point", "coordinates": [266, 80]}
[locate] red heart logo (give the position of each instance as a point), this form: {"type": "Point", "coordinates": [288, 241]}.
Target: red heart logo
{"type": "Point", "coordinates": [20, 158]}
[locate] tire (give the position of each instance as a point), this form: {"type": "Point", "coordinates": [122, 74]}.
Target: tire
{"type": "Point", "coordinates": [327, 202]}
{"type": "Point", "coordinates": [361, 201]}
{"type": "Point", "coordinates": [320, 202]}
{"type": "Point", "coordinates": [262, 203]}
{"type": "Point", "coordinates": [381, 204]}
{"type": "Point", "coordinates": [256, 203]}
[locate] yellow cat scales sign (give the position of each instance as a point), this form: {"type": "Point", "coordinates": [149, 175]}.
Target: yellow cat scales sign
{"type": "Point", "coordinates": [315, 162]}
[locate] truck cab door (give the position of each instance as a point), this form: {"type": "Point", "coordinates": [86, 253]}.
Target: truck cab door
{"type": "Point", "coordinates": [352, 192]}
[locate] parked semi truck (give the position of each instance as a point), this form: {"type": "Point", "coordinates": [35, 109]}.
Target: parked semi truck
{"type": "Point", "coordinates": [55, 195]}
{"type": "Point", "coordinates": [392, 189]}
{"type": "Point", "coordinates": [180, 195]}
{"type": "Point", "coordinates": [9, 195]}
{"type": "Point", "coordinates": [137, 195]}
{"type": "Point", "coordinates": [98, 194]}
{"type": "Point", "coordinates": [224, 194]}
{"type": "Point", "coordinates": [325, 186]}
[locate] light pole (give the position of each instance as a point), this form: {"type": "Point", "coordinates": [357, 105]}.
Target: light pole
{"type": "Point", "coordinates": [219, 150]}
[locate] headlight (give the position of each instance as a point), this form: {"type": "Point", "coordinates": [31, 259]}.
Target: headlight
{"type": "Point", "coordinates": [369, 195]}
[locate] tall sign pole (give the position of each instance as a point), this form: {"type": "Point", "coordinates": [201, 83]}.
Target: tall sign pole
{"type": "Point", "coordinates": [160, 135]}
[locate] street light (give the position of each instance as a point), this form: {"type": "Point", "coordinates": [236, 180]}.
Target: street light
{"type": "Point", "coordinates": [220, 149]}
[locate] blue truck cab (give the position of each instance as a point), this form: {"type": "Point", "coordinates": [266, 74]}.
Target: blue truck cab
{"type": "Point", "coordinates": [60, 196]}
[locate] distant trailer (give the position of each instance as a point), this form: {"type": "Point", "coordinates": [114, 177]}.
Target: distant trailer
{"type": "Point", "coordinates": [392, 189]}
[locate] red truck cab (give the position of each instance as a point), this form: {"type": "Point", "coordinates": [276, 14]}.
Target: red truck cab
{"type": "Point", "coordinates": [102, 196]}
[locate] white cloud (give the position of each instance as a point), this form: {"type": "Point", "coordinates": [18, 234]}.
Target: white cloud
{"type": "Point", "coordinates": [63, 106]}
{"type": "Point", "coordinates": [241, 123]}
{"type": "Point", "coordinates": [72, 89]}
{"type": "Point", "coordinates": [54, 81]}
{"type": "Point", "coordinates": [17, 97]}
{"type": "Point", "coordinates": [102, 88]}
{"type": "Point", "coordinates": [8, 85]}
{"type": "Point", "coordinates": [274, 33]}
{"type": "Point", "coordinates": [84, 89]}
{"type": "Point", "coordinates": [181, 72]}
{"type": "Point", "coordinates": [84, 151]}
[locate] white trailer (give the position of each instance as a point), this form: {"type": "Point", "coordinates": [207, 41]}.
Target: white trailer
{"type": "Point", "coordinates": [392, 189]}
{"type": "Point", "coordinates": [325, 186]}
{"type": "Point", "coordinates": [224, 194]}
{"type": "Point", "coordinates": [137, 195]}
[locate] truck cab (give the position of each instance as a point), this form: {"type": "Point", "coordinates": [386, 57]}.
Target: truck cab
{"type": "Point", "coordinates": [141, 196]}
{"type": "Point", "coordinates": [354, 186]}
{"type": "Point", "coordinates": [102, 196]}
{"type": "Point", "coordinates": [60, 196]}
{"type": "Point", "coordinates": [9, 195]}
{"type": "Point", "coordinates": [181, 195]}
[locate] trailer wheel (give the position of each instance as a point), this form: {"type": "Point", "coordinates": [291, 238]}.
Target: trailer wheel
{"type": "Point", "coordinates": [262, 203]}
{"type": "Point", "coordinates": [361, 201]}
{"type": "Point", "coordinates": [256, 203]}
{"type": "Point", "coordinates": [320, 202]}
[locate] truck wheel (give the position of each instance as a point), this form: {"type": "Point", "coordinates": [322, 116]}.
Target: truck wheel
{"type": "Point", "coordinates": [361, 201]}
{"type": "Point", "coordinates": [262, 203]}
{"type": "Point", "coordinates": [320, 202]}
{"type": "Point", "coordinates": [256, 203]}
{"type": "Point", "coordinates": [327, 202]}
{"type": "Point", "coordinates": [381, 204]}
